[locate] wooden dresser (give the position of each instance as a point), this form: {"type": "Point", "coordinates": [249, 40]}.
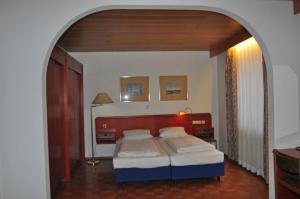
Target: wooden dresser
{"type": "Point", "coordinates": [286, 170]}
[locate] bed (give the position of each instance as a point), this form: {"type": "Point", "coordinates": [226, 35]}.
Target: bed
{"type": "Point", "coordinates": [190, 157]}
{"type": "Point", "coordinates": [198, 160]}
{"type": "Point", "coordinates": [133, 168]}
{"type": "Point", "coordinates": [194, 164]}
{"type": "Point", "coordinates": [170, 164]}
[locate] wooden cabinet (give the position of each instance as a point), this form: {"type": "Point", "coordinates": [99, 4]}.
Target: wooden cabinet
{"type": "Point", "coordinates": [65, 116]}
{"type": "Point", "coordinates": [55, 122]}
{"type": "Point", "coordinates": [286, 171]}
{"type": "Point", "coordinates": [74, 111]}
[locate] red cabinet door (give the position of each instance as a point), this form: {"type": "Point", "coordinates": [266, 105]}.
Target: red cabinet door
{"type": "Point", "coordinates": [55, 114]}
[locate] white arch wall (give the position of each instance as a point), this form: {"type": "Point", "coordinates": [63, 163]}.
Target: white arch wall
{"type": "Point", "coordinates": [29, 28]}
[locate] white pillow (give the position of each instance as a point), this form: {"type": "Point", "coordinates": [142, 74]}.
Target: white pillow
{"type": "Point", "coordinates": [168, 132]}
{"type": "Point", "coordinates": [137, 134]}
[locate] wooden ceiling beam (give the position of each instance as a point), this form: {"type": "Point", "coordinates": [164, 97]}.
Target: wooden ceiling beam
{"type": "Point", "coordinates": [296, 7]}
{"type": "Point", "coordinates": [229, 42]}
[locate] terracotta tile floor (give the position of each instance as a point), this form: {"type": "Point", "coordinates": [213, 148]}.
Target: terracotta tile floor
{"type": "Point", "coordinates": [99, 182]}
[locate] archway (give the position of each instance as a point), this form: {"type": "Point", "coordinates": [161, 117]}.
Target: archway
{"type": "Point", "coordinates": [230, 14]}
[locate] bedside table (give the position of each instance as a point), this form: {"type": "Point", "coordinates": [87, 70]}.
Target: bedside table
{"type": "Point", "coordinates": [106, 136]}
{"type": "Point", "coordinates": [206, 134]}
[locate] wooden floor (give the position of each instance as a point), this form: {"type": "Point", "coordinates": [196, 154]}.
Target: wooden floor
{"type": "Point", "coordinates": [99, 182]}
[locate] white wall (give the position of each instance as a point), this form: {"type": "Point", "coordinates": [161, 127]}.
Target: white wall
{"type": "Point", "coordinates": [1, 143]}
{"type": "Point", "coordinates": [286, 99]}
{"type": "Point", "coordinates": [27, 40]}
{"type": "Point", "coordinates": [102, 72]}
{"type": "Point", "coordinates": [1, 170]}
{"type": "Point", "coordinates": [222, 102]}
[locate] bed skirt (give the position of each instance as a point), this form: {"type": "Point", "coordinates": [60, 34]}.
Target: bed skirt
{"type": "Point", "coordinates": [173, 172]}
{"type": "Point", "coordinates": [146, 174]}
{"type": "Point", "coordinates": [197, 171]}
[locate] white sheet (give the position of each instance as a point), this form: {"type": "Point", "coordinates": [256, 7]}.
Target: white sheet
{"type": "Point", "coordinates": [188, 143]}
{"type": "Point", "coordinates": [138, 148]}
{"type": "Point", "coordinates": [141, 162]}
{"type": "Point", "coordinates": [192, 158]}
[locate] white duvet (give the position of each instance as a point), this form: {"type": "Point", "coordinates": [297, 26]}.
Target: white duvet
{"type": "Point", "coordinates": [188, 144]}
{"type": "Point", "coordinates": [138, 148]}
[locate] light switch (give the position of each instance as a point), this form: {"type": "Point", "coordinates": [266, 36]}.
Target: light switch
{"type": "Point", "coordinates": [196, 122]}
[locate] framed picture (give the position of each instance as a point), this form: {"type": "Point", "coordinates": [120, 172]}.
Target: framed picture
{"type": "Point", "coordinates": [134, 89]}
{"type": "Point", "coordinates": [173, 88]}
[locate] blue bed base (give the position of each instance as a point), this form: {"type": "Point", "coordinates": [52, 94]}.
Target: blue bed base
{"type": "Point", "coordinates": [169, 172]}
{"type": "Point", "coordinates": [197, 171]}
{"type": "Point", "coordinates": [147, 174]}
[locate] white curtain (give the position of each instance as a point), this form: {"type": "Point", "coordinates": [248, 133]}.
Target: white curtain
{"type": "Point", "coordinates": [250, 92]}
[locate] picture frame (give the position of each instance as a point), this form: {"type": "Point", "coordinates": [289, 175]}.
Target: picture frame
{"type": "Point", "coordinates": [134, 89]}
{"type": "Point", "coordinates": [173, 88]}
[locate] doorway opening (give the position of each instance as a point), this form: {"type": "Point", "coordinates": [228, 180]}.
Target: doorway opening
{"type": "Point", "coordinates": [146, 31]}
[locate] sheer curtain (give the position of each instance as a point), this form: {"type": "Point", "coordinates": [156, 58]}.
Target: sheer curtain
{"type": "Point", "coordinates": [250, 111]}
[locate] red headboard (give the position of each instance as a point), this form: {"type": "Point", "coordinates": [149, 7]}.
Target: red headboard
{"type": "Point", "coordinates": [191, 122]}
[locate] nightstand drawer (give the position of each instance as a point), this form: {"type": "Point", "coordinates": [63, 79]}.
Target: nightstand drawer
{"type": "Point", "coordinates": [205, 133]}
{"type": "Point", "coordinates": [106, 136]}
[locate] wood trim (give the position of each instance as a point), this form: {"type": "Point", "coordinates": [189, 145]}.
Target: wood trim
{"type": "Point", "coordinates": [81, 136]}
{"type": "Point", "coordinates": [61, 56]}
{"type": "Point", "coordinates": [153, 123]}
{"type": "Point", "coordinates": [55, 121]}
{"type": "Point", "coordinates": [296, 7]}
{"type": "Point", "coordinates": [58, 55]}
{"type": "Point", "coordinates": [229, 42]}
{"type": "Point", "coordinates": [151, 116]}
{"type": "Point", "coordinates": [67, 176]}
{"type": "Point", "coordinates": [74, 65]}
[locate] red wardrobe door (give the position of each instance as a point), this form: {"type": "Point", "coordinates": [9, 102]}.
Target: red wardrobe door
{"type": "Point", "coordinates": [65, 116]}
{"type": "Point", "coordinates": [55, 113]}
{"type": "Point", "coordinates": [74, 120]}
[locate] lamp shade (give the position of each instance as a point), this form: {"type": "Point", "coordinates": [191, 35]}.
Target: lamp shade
{"type": "Point", "coordinates": [102, 98]}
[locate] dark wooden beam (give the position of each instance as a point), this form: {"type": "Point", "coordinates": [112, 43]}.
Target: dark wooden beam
{"type": "Point", "coordinates": [229, 42]}
{"type": "Point", "coordinates": [296, 6]}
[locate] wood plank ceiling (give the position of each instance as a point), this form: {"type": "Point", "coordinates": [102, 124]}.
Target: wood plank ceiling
{"type": "Point", "coordinates": [153, 30]}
